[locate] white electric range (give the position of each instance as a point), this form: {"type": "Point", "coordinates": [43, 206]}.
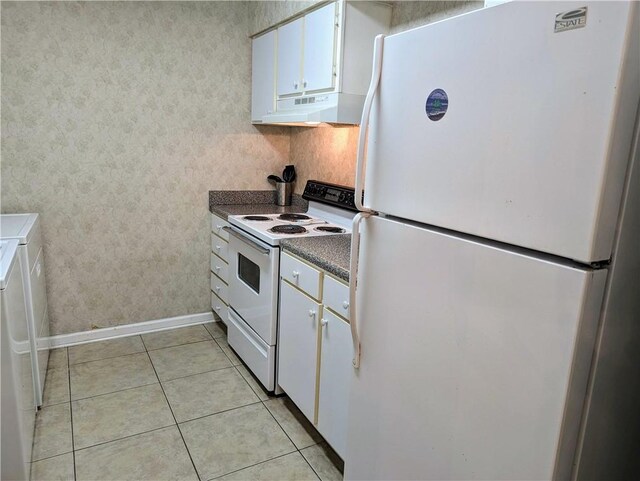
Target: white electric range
{"type": "Point", "coordinates": [254, 269]}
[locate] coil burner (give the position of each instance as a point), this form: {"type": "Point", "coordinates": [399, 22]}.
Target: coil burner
{"type": "Point", "coordinates": [288, 229]}
{"type": "Point", "coordinates": [293, 217]}
{"type": "Point", "coordinates": [330, 228]}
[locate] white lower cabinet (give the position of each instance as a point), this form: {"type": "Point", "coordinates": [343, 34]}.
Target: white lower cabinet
{"type": "Point", "coordinates": [297, 344]}
{"type": "Point", "coordinates": [315, 352]}
{"type": "Point", "coordinates": [336, 353]}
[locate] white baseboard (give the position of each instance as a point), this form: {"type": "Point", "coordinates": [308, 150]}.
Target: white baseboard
{"type": "Point", "coordinates": [71, 339]}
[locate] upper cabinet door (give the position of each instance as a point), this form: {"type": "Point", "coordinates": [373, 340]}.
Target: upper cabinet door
{"type": "Point", "coordinates": [319, 49]}
{"type": "Point", "coordinates": [263, 76]}
{"type": "Point", "coordinates": [290, 58]}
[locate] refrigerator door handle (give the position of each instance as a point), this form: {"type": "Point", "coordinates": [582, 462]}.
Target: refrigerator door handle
{"type": "Point", "coordinates": [364, 122]}
{"type": "Point", "coordinates": [353, 279]}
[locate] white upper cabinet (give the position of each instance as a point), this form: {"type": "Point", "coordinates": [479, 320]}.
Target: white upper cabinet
{"type": "Point", "coordinates": [263, 75]}
{"type": "Point", "coordinates": [322, 64]}
{"type": "Point", "coordinates": [290, 39]}
{"type": "Point", "coordinates": [306, 52]}
{"type": "Point", "coordinates": [319, 64]}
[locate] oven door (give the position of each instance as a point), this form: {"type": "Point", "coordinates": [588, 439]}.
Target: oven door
{"type": "Point", "coordinates": [253, 283]}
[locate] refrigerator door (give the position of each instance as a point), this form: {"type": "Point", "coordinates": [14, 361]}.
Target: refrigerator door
{"type": "Point", "coordinates": [474, 360]}
{"type": "Point", "coordinates": [533, 144]}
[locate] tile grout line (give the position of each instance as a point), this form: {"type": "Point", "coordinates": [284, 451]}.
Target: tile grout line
{"type": "Point", "coordinates": [51, 457]}
{"type": "Point", "coordinates": [219, 412]}
{"type": "Point", "coordinates": [298, 450]}
{"type": "Point", "coordinates": [102, 443]}
{"type": "Point", "coordinates": [172, 414]}
{"type": "Point", "coordinates": [73, 441]}
{"type": "Point", "coordinates": [250, 466]}
{"type": "Point", "coordinates": [110, 392]}
{"type": "Point", "coordinates": [250, 386]}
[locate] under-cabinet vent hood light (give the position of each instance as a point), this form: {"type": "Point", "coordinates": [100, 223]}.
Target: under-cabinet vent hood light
{"type": "Point", "coordinates": [310, 111]}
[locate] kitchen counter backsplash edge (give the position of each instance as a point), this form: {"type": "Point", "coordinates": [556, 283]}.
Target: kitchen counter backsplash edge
{"type": "Point", "coordinates": [230, 202]}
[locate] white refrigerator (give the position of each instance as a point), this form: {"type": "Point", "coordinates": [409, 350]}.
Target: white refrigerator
{"type": "Point", "coordinates": [495, 296]}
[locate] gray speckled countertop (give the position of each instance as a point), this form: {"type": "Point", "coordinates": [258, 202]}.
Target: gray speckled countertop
{"type": "Point", "coordinates": [331, 253]}
{"type": "Point", "coordinates": [237, 202]}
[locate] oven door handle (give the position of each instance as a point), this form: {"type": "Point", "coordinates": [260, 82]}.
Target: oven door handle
{"type": "Point", "coordinates": [246, 240]}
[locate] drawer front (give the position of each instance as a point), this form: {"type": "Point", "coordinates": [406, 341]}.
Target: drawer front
{"type": "Point", "coordinates": [220, 268]}
{"type": "Point", "coordinates": [219, 288]}
{"type": "Point", "coordinates": [335, 295]}
{"type": "Point", "coordinates": [301, 275]}
{"type": "Point", "coordinates": [217, 224]}
{"type": "Point", "coordinates": [219, 308]}
{"type": "Point", "coordinates": [259, 356]}
{"type": "Point", "coordinates": [220, 247]}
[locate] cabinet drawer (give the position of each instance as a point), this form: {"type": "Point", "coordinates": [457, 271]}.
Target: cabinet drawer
{"type": "Point", "coordinates": [336, 296]}
{"type": "Point", "coordinates": [257, 354]}
{"type": "Point", "coordinates": [220, 268]}
{"type": "Point", "coordinates": [217, 224]}
{"type": "Point", "coordinates": [220, 247]}
{"type": "Point", "coordinates": [219, 288]}
{"type": "Point", "coordinates": [301, 275]}
{"type": "Point", "coordinates": [219, 308]}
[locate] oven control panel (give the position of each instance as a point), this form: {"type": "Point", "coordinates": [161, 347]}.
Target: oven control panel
{"type": "Point", "coordinates": [332, 194]}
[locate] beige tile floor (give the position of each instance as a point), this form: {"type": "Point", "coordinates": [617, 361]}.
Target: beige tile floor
{"type": "Point", "coordinates": [176, 404]}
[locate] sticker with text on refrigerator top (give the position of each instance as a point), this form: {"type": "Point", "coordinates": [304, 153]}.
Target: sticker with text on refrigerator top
{"type": "Point", "coordinates": [571, 20]}
{"type": "Point", "coordinates": [437, 104]}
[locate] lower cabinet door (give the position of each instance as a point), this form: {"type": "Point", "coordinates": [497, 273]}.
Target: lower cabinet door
{"type": "Point", "coordinates": [298, 347]}
{"type": "Point", "coordinates": [335, 371]}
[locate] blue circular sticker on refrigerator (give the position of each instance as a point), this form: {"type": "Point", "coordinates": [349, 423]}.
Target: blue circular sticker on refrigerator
{"type": "Point", "coordinates": [437, 104]}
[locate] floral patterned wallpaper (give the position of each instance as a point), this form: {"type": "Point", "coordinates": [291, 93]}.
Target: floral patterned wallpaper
{"type": "Point", "coordinates": [117, 119]}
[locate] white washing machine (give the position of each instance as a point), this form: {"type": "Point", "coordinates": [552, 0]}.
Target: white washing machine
{"type": "Point", "coordinates": [17, 398]}
{"type": "Point", "coordinates": [26, 229]}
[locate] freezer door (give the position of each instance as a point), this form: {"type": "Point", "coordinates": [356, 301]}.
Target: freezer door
{"type": "Point", "coordinates": [474, 359]}
{"type": "Point", "coordinates": [533, 145]}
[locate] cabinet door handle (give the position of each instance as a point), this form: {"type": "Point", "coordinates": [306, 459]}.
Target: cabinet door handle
{"type": "Point", "coordinates": [295, 85]}
{"type": "Point", "coordinates": [217, 288]}
{"type": "Point", "coordinates": [312, 313]}
{"type": "Point", "coordinates": [295, 274]}
{"type": "Point", "coordinates": [218, 248]}
{"type": "Point", "coordinates": [217, 308]}
{"type": "Point", "coordinates": [304, 83]}
{"type": "Point", "coordinates": [345, 305]}
{"type": "Point", "coordinates": [218, 227]}
{"type": "Point", "coordinates": [217, 268]}
{"type": "Point", "coordinates": [324, 322]}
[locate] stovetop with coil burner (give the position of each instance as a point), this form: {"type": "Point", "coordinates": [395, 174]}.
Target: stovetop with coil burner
{"type": "Point", "coordinates": [331, 211]}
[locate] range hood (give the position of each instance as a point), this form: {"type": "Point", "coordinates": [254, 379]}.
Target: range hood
{"type": "Point", "coordinates": [311, 110]}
